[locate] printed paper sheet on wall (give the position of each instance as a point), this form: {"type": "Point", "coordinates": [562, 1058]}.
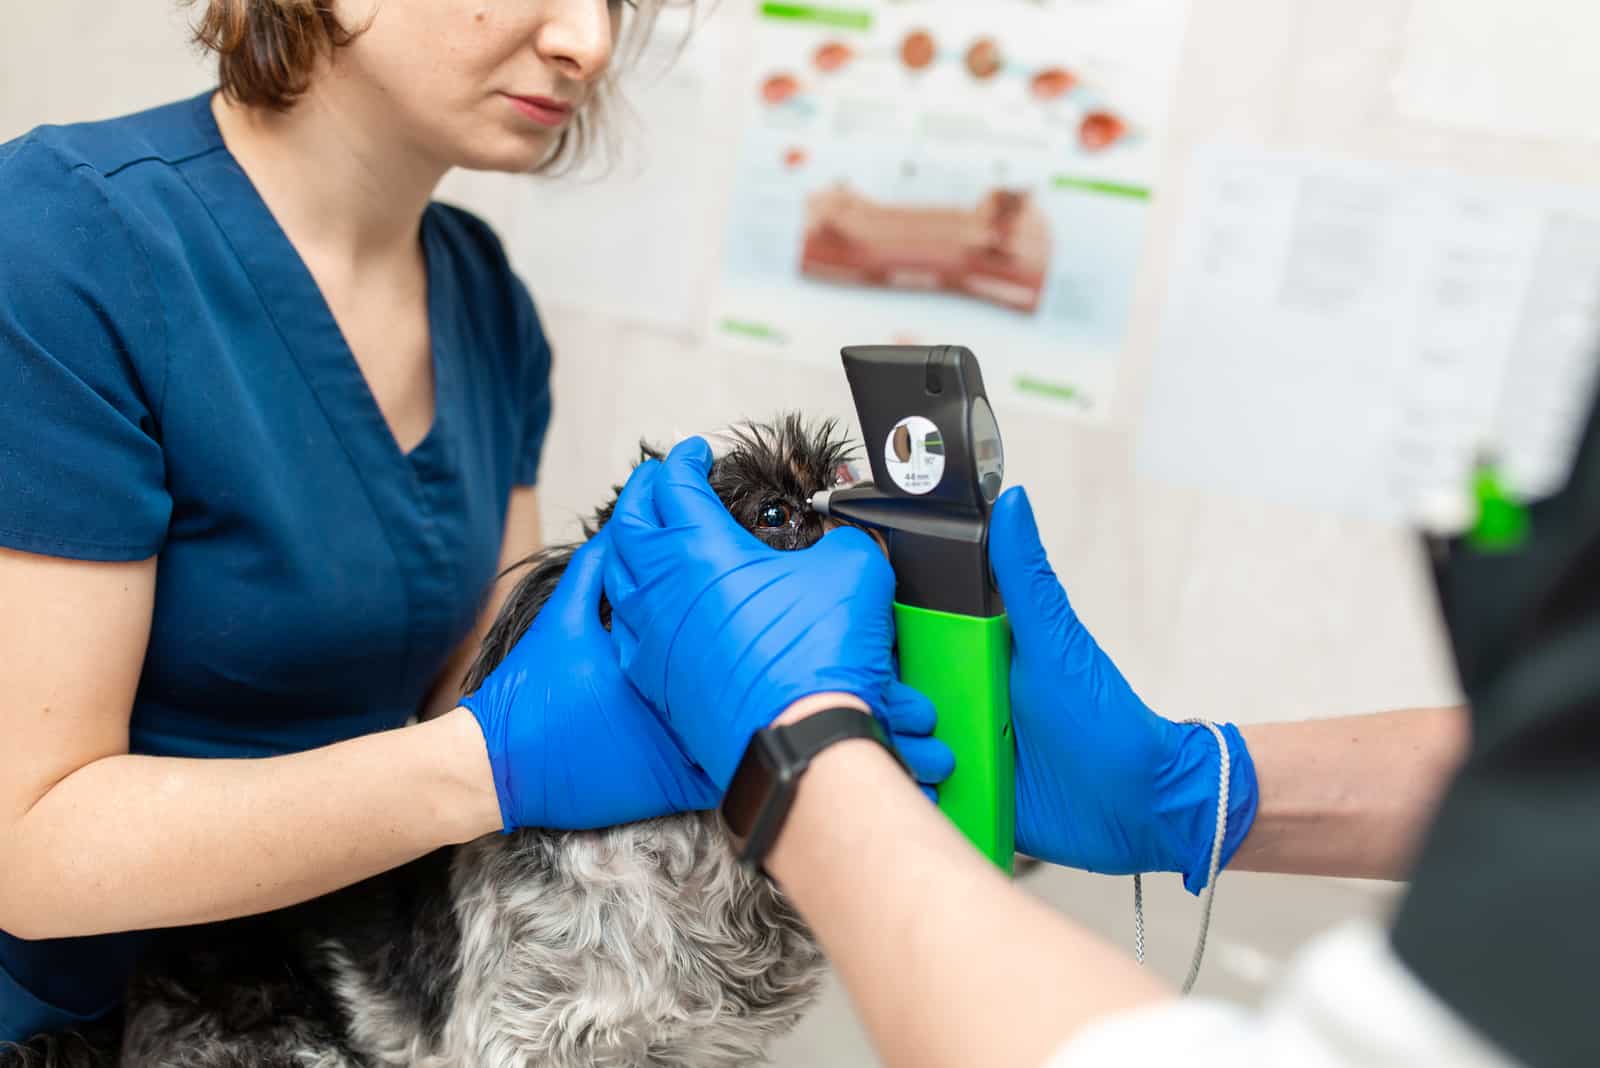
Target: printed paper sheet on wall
{"type": "Point", "coordinates": [946, 171]}
{"type": "Point", "coordinates": [1354, 337]}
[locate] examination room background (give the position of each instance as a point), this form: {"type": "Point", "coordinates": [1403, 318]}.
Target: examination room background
{"type": "Point", "coordinates": [1216, 606]}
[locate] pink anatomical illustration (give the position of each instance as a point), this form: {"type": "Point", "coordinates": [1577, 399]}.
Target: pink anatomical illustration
{"type": "Point", "coordinates": [983, 59]}
{"type": "Point", "coordinates": [1100, 130]}
{"type": "Point", "coordinates": [997, 251]}
{"type": "Point", "coordinates": [918, 50]}
{"type": "Point", "coordinates": [832, 56]}
{"type": "Point", "coordinates": [1052, 83]}
{"type": "Point", "coordinates": [778, 88]}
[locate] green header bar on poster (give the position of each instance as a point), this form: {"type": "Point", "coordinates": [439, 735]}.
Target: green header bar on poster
{"type": "Point", "coordinates": [755, 330]}
{"type": "Point", "coordinates": [1116, 189]}
{"type": "Point", "coordinates": [827, 16]}
{"type": "Point", "coordinates": [1057, 390]}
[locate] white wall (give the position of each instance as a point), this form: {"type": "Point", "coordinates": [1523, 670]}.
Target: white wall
{"type": "Point", "coordinates": [1213, 606]}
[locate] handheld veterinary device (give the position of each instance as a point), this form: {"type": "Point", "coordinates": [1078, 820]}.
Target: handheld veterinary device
{"type": "Point", "coordinates": [937, 466]}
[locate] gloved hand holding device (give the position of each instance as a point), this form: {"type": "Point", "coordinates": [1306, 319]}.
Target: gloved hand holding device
{"type": "Point", "coordinates": [1103, 783]}
{"type": "Point", "coordinates": [722, 633]}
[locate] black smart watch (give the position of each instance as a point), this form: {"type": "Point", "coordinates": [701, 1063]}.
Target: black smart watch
{"type": "Point", "coordinates": [763, 788]}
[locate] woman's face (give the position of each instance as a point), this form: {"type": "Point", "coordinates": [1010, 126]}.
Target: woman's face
{"type": "Point", "coordinates": [483, 84]}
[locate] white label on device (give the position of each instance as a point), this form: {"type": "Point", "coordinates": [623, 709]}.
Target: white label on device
{"type": "Point", "coordinates": [914, 455]}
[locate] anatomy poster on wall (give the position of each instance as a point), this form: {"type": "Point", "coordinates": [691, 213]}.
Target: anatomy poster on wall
{"type": "Point", "coordinates": [951, 172]}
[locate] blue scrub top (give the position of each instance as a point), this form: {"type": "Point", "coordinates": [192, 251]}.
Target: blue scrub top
{"type": "Point", "coordinates": [172, 383]}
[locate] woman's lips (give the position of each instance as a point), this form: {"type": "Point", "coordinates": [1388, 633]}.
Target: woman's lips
{"type": "Point", "coordinates": [541, 109]}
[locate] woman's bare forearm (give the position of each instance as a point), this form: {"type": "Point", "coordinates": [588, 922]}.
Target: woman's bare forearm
{"type": "Point", "coordinates": [1349, 796]}
{"type": "Point", "coordinates": [947, 962]}
{"type": "Point", "coordinates": [133, 842]}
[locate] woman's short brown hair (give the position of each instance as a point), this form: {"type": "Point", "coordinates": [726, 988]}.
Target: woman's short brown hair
{"type": "Point", "coordinates": [267, 51]}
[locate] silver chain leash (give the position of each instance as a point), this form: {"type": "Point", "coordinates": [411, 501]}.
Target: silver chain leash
{"type": "Point", "coordinates": [1224, 770]}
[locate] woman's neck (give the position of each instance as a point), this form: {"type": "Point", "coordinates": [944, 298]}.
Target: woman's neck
{"type": "Point", "coordinates": [334, 177]}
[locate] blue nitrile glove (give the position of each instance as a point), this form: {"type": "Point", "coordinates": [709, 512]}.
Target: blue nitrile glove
{"type": "Point", "coordinates": [1103, 783]}
{"type": "Point", "coordinates": [721, 632]}
{"type": "Point", "coordinates": [572, 744]}
{"type": "Point", "coordinates": [909, 717]}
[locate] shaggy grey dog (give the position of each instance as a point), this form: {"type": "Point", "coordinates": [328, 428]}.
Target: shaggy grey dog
{"type": "Point", "coordinates": [641, 945]}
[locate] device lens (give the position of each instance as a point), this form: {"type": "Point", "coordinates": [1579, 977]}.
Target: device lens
{"type": "Point", "coordinates": [987, 451]}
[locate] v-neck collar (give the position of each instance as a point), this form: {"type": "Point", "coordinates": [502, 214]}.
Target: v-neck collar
{"type": "Point", "coordinates": [306, 324]}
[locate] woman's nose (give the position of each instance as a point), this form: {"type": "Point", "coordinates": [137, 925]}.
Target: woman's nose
{"type": "Point", "coordinates": [575, 38]}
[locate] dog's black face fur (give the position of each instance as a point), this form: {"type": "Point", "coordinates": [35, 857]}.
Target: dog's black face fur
{"type": "Point", "coordinates": [265, 991]}
{"type": "Point", "coordinates": [765, 478]}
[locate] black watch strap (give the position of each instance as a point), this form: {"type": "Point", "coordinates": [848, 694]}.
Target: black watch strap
{"type": "Point", "coordinates": [764, 786]}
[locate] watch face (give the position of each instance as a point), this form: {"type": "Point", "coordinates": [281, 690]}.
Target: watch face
{"type": "Point", "coordinates": [763, 787]}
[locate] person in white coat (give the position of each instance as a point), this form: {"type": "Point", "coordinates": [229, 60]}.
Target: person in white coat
{"type": "Point", "coordinates": [758, 662]}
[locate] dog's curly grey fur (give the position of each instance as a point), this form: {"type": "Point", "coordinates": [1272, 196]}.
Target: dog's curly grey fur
{"type": "Point", "coordinates": [640, 946]}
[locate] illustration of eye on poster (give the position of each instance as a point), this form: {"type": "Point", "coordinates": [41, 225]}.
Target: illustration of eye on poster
{"type": "Point", "coordinates": [943, 171]}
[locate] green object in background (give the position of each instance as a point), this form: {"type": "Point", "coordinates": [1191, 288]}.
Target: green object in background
{"type": "Point", "coordinates": [842, 18]}
{"type": "Point", "coordinates": [1098, 185]}
{"type": "Point", "coordinates": [760, 331]}
{"type": "Point", "coordinates": [962, 663]}
{"type": "Point", "coordinates": [1502, 523]}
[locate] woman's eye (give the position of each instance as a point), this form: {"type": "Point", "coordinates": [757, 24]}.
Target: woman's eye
{"type": "Point", "coordinates": [773, 514]}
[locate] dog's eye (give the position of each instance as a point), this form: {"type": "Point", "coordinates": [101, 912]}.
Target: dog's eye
{"type": "Point", "coordinates": [773, 514]}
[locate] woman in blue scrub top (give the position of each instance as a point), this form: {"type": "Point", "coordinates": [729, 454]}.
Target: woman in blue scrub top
{"type": "Point", "coordinates": [270, 426]}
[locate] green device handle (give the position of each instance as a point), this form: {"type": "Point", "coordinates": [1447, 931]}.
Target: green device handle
{"type": "Point", "coordinates": [963, 664]}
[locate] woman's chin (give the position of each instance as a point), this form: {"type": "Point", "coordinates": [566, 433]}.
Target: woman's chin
{"type": "Point", "coordinates": [513, 154]}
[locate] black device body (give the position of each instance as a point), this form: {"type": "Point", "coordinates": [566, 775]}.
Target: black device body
{"type": "Point", "coordinates": [938, 539]}
{"type": "Point", "coordinates": [1498, 917]}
